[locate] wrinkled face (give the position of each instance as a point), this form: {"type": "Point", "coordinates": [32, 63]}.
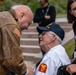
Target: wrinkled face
{"type": "Point", "coordinates": [45, 38]}
{"type": "Point", "coordinates": [25, 20]}
{"type": "Point", "coordinates": [42, 2]}
{"type": "Point", "coordinates": [73, 9]}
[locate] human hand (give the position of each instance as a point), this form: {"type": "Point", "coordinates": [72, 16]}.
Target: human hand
{"type": "Point", "coordinates": [30, 70]}
{"type": "Point", "coordinates": [47, 17]}
{"type": "Point", "coordinates": [71, 68]}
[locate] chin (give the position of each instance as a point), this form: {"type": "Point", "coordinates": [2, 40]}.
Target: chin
{"type": "Point", "coordinates": [41, 45]}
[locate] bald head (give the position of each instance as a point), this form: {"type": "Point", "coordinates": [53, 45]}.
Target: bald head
{"type": "Point", "coordinates": [24, 15]}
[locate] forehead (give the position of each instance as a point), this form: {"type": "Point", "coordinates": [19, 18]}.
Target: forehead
{"type": "Point", "coordinates": [29, 16]}
{"type": "Point", "coordinates": [73, 4]}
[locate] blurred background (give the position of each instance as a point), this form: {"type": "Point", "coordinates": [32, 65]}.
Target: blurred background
{"type": "Point", "coordinates": [60, 5]}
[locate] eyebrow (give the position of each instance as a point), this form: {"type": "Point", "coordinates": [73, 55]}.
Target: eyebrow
{"type": "Point", "coordinates": [74, 8]}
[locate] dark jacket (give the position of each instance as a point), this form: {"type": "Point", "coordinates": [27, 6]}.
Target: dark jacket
{"type": "Point", "coordinates": [74, 28]}
{"type": "Point", "coordinates": [40, 13]}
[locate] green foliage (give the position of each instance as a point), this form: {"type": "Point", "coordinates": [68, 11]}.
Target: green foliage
{"type": "Point", "coordinates": [60, 5]}
{"type": "Point", "coordinates": [6, 5]}
{"type": "Point", "coordinates": [70, 47]}
{"type": "Point", "coordinates": [32, 4]}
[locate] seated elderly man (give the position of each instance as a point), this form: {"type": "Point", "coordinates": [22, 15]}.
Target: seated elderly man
{"type": "Point", "coordinates": [51, 37]}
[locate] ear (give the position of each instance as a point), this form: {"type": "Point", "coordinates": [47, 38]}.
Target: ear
{"type": "Point", "coordinates": [53, 37]}
{"type": "Point", "coordinates": [70, 12]}
{"type": "Point", "coordinates": [21, 16]}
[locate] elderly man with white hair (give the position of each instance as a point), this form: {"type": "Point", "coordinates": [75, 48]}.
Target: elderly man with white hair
{"type": "Point", "coordinates": [51, 37]}
{"type": "Point", "coordinates": [12, 22]}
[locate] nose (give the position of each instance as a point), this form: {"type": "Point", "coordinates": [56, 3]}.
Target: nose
{"type": "Point", "coordinates": [40, 35]}
{"type": "Point", "coordinates": [27, 26]}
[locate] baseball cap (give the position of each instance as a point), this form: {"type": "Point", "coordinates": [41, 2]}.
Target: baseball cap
{"type": "Point", "coordinates": [54, 28]}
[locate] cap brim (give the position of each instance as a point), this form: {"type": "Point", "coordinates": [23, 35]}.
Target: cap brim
{"type": "Point", "coordinates": [41, 29]}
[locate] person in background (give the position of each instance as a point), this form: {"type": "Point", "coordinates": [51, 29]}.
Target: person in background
{"type": "Point", "coordinates": [45, 14]}
{"type": "Point", "coordinates": [51, 37]}
{"type": "Point", "coordinates": [71, 16]}
{"type": "Point", "coordinates": [12, 22]}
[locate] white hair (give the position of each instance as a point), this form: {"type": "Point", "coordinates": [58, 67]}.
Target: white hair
{"type": "Point", "coordinates": [16, 6]}
{"type": "Point", "coordinates": [57, 37]}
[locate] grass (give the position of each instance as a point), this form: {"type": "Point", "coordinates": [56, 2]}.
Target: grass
{"type": "Point", "coordinates": [69, 47]}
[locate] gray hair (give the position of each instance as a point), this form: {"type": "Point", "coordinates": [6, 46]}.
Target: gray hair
{"type": "Point", "coordinates": [57, 37]}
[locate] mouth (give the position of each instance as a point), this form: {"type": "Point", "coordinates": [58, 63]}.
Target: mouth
{"type": "Point", "coordinates": [40, 39]}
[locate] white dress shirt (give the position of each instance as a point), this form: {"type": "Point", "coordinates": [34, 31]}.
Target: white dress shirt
{"type": "Point", "coordinates": [52, 60]}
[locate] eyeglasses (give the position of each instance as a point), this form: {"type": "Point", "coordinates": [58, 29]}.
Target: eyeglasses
{"type": "Point", "coordinates": [43, 33]}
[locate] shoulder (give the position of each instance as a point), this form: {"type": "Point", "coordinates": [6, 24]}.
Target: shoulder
{"type": "Point", "coordinates": [52, 7]}
{"type": "Point", "coordinates": [51, 56]}
{"type": "Point", "coordinates": [38, 9]}
{"type": "Point", "coordinates": [56, 52]}
{"type": "Point", "coordinates": [51, 60]}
